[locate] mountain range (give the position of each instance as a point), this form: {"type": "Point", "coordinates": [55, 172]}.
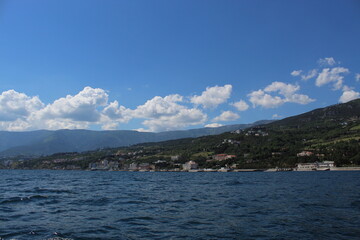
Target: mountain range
{"type": "Point", "coordinates": [46, 142]}
{"type": "Point", "coordinates": [326, 134]}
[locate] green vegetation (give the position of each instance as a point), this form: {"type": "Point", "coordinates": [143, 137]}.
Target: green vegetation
{"type": "Point", "coordinates": [331, 133]}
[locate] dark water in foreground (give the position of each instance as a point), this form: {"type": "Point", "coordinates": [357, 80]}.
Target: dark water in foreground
{"type": "Point", "coordinates": [125, 205]}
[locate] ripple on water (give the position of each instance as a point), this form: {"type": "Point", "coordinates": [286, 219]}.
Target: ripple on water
{"type": "Point", "coordinates": [14, 200]}
{"type": "Point", "coordinates": [120, 205]}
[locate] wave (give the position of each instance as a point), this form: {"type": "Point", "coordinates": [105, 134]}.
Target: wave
{"type": "Point", "coordinates": [23, 199]}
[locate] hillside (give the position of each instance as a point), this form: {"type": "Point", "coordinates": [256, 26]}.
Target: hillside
{"type": "Point", "coordinates": [45, 142]}
{"type": "Point", "coordinates": [326, 134]}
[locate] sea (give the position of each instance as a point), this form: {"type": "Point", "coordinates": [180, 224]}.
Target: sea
{"type": "Point", "coordinates": [66, 205]}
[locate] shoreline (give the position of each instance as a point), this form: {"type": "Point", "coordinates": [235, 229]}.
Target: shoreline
{"type": "Point", "coordinates": [333, 169]}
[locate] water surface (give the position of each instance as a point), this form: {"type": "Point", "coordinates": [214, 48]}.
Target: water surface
{"type": "Point", "coordinates": [168, 205]}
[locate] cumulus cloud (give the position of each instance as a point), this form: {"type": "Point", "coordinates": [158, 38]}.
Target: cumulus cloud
{"type": "Point", "coordinates": [70, 112]}
{"type": "Point", "coordinates": [332, 75]}
{"type": "Point", "coordinates": [15, 105]}
{"type": "Point", "coordinates": [115, 112]}
{"type": "Point", "coordinates": [213, 125]}
{"type": "Point", "coordinates": [213, 96]}
{"type": "Point", "coordinates": [240, 105]}
{"type": "Point", "coordinates": [260, 98]}
{"type": "Point", "coordinates": [183, 118]}
{"type": "Point", "coordinates": [159, 106]}
{"type": "Point", "coordinates": [330, 61]}
{"type": "Point", "coordinates": [90, 107]}
{"type": "Point", "coordinates": [16, 125]}
{"type": "Point", "coordinates": [349, 95]}
{"type": "Point", "coordinates": [282, 88]}
{"type": "Point", "coordinates": [80, 107]}
{"type": "Point", "coordinates": [226, 116]}
{"type": "Point", "coordinates": [167, 113]}
{"type": "Point", "coordinates": [287, 93]}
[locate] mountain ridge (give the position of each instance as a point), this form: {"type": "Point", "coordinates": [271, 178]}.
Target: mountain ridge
{"type": "Point", "coordinates": [46, 142]}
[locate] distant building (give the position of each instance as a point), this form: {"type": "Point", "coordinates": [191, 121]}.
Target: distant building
{"type": "Point", "coordinates": [144, 167]}
{"type": "Point", "coordinates": [191, 165]}
{"type": "Point", "coordinates": [325, 164]}
{"type": "Point", "coordinates": [221, 157]}
{"type": "Point", "coordinates": [237, 131]}
{"type": "Point", "coordinates": [316, 166]}
{"type": "Point", "coordinates": [133, 167]}
{"type": "Point", "coordinates": [104, 165]}
{"type": "Point", "coordinates": [306, 167]}
{"type": "Point", "coordinates": [175, 158]}
{"type": "Point", "coordinates": [305, 154]}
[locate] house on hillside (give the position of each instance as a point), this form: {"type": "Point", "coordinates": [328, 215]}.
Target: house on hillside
{"type": "Point", "coordinates": [304, 154]}
{"type": "Point", "coordinates": [145, 167]}
{"type": "Point", "coordinates": [222, 157]}
{"type": "Point", "coordinates": [175, 158]}
{"type": "Point", "coordinates": [191, 165]}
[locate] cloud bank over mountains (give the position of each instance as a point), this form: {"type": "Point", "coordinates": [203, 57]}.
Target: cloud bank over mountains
{"type": "Point", "coordinates": [91, 106]}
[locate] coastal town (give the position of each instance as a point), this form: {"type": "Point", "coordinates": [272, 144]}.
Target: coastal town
{"type": "Point", "coordinates": [294, 144]}
{"type": "Point", "coordinates": [121, 161]}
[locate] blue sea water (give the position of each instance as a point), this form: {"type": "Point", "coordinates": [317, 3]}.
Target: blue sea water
{"type": "Point", "coordinates": [167, 205]}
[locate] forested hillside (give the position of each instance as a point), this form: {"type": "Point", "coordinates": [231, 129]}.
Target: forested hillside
{"type": "Point", "coordinates": [327, 134]}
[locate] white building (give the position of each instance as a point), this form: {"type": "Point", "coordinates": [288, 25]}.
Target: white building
{"type": "Point", "coordinates": [191, 165]}
{"type": "Point", "coordinates": [316, 166]}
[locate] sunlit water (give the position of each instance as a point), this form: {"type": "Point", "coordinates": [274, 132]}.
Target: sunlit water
{"type": "Point", "coordinates": [164, 205]}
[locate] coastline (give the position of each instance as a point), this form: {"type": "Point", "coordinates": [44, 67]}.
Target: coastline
{"type": "Point", "coordinates": [332, 169]}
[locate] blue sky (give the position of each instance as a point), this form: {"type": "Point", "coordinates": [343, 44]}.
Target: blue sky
{"type": "Point", "coordinates": [168, 65]}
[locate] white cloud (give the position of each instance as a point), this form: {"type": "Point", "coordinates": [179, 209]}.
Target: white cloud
{"type": "Point", "coordinates": [54, 124]}
{"type": "Point", "coordinates": [333, 75]}
{"type": "Point", "coordinates": [349, 95]}
{"type": "Point", "coordinates": [296, 73]}
{"type": "Point", "coordinates": [312, 73]}
{"type": "Point", "coordinates": [15, 105]}
{"type": "Point", "coordinates": [260, 98]}
{"type": "Point", "coordinates": [71, 112]}
{"type": "Point", "coordinates": [213, 125]}
{"type": "Point", "coordinates": [226, 116]}
{"type": "Point", "coordinates": [213, 96]}
{"type": "Point", "coordinates": [287, 94]}
{"type": "Point", "coordinates": [159, 106]}
{"type": "Point", "coordinates": [357, 77]}
{"type": "Point", "coordinates": [276, 116]}
{"type": "Point", "coordinates": [115, 112]}
{"type": "Point", "coordinates": [165, 113]}
{"type": "Point", "coordinates": [330, 61]}
{"type": "Point", "coordinates": [240, 105]}
{"type": "Point", "coordinates": [81, 107]}
{"type": "Point", "coordinates": [299, 98]}
{"type": "Point", "coordinates": [110, 126]}
{"type": "Point", "coordinates": [282, 88]}
{"type": "Point", "coordinates": [141, 130]}
{"type": "Point", "coordinates": [183, 118]}
{"type": "Point", "coordinates": [346, 88]}
{"type": "Point", "coordinates": [89, 107]}
{"type": "Point", "coordinates": [16, 125]}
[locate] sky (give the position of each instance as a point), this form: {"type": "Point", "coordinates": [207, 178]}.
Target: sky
{"type": "Point", "coordinates": [164, 65]}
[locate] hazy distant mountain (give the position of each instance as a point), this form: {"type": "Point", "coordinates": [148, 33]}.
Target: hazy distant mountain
{"type": "Point", "coordinates": [44, 142]}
